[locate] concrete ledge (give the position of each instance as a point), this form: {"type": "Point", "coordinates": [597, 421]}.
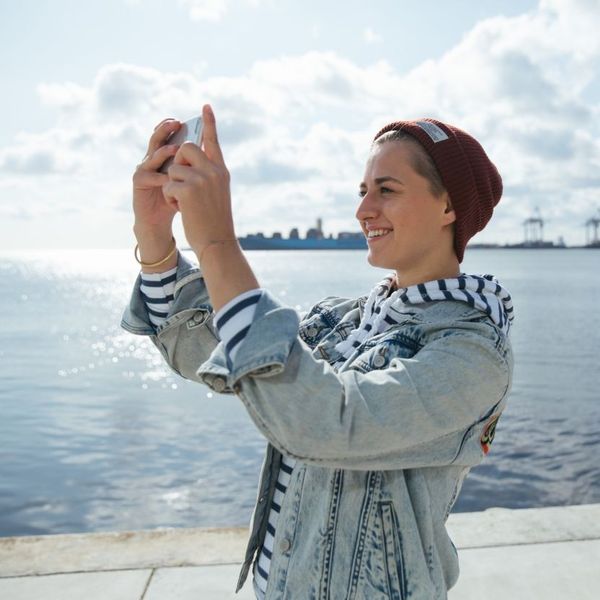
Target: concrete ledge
{"type": "Point", "coordinates": [77, 553]}
{"type": "Point", "coordinates": [554, 571]}
{"type": "Point", "coordinates": [107, 585]}
{"type": "Point", "coordinates": [508, 527]}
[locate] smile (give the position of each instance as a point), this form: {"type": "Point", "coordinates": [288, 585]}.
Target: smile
{"type": "Point", "coordinates": [377, 235]}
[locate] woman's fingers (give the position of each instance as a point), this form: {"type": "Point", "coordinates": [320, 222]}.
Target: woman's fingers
{"type": "Point", "coordinates": [150, 179]}
{"type": "Point", "coordinates": [153, 161]}
{"type": "Point", "coordinates": [164, 121]}
{"type": "Point", "coordinates": [191, 154]}
{"type": "Point", "coordinates": [166, 127]}
{"type": "Point", "coordinates": [178, 172]}
{"type": "Point", "coordinates": [169, 189]}
{"type": "Point", "coordinates": [210, 140]}
{"type": "Point", "coordinates": [161, 132]}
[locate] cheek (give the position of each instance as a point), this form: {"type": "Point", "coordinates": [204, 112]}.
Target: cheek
{"type": "Point", "coordinates": [412, 227]}
{"type": "Point", "coordinates": [404, 218]}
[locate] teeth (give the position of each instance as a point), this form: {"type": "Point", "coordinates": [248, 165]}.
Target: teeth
{"type": "Point", "coordinates": [378, 232]}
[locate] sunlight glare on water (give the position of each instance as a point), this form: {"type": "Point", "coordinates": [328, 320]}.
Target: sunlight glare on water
{"type": "Point", "coordinates": [98, 433]}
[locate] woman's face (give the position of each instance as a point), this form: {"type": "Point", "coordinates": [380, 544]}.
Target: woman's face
{"type": "Point", "coordinates": [395, 198]}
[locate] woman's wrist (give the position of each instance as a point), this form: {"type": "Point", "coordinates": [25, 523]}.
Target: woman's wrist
{"type": "Point", "coordinates": [154, 246]}
{"type": "Point", "coordinates": [152, 232]}
{"type": "Point", "coordinates": [226, 272]}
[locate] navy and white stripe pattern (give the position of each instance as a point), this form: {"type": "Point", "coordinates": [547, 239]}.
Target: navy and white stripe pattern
{"type": "Point", "coordinates": [483, 292]}
{"type": "Point", "coordinates": [261, 567]}
{"type": "Point", "coordinates": [157, 291]}
{"type": "Point", "coordinates": [233, 320]}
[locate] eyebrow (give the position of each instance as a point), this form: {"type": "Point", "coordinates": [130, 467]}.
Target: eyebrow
{"type": "Point", "coordinates": [382, 180]}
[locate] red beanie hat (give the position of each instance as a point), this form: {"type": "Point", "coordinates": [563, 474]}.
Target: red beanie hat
{"type": "Point", "coordinates": [469, 176]}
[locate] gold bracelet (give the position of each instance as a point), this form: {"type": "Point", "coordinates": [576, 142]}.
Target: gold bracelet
{"type": "Point", "coordinates": [160, 262]}
{"type": "Point", "coordinates": [211, 243]}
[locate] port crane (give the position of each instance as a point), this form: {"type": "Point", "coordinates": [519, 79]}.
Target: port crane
{"type": "Point", "coordinates": [591, 231]}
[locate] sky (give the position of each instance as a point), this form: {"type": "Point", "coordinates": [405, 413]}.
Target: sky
{"type": "Point", "coordinates": [298, 88]}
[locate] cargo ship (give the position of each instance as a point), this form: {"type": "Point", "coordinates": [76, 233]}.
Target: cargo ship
{"type": "Point", "coordinates": [314, 240]}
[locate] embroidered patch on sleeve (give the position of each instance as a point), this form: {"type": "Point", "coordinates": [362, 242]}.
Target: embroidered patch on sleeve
{"type": "Point", "coordinates": [487, 437]}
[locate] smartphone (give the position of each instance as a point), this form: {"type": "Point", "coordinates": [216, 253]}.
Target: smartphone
{"type": "Point", "coordinates": [190, 131]}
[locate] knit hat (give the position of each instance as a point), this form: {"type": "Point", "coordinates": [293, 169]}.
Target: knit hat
{"type": "Point", "coordinates": [469, 176]}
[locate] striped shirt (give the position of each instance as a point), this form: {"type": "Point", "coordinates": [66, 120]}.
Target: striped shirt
{"type": "Point", "coordinates": [261, 567]}
{"type": "Point", "coordinates": [157, 291]}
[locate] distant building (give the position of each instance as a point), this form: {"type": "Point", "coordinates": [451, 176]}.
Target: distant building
{"type": "Point", "coordinates": [315, 240]}
{"type": "Point", "coordinates": [350, 235]}
{"type": "Point", "coordinates": [316, 233]}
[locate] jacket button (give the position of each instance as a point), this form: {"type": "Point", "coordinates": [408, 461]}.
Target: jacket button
{"type": "Point", "coordinates": [218, 384]}
{"type": "Point", "coordinates": [285, 545]}
{"type": "Point", "coordinates": [198, 317]}
{"type": "Point", "coordinates": [379, 360]}
{"type": "Point", "coordinates": [311, 331]}
{"type": "Point", "coordinates": [261, 499]}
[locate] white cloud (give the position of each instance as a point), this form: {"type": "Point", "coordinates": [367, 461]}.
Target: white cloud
{"type": "Point", "coordinates": [211, 10]}
{"type": "Point", "coordinates": [205, 10]}
{"type": "Point", "coordinates": [296, 129]}
{"type": "Point", "coordinates": [371, 37]}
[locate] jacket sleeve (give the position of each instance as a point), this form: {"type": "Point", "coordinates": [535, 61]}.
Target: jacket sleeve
{"type": "Point", "coordinates": [428, 410]}
{"type": "Point", "coordinates": [186, 337]}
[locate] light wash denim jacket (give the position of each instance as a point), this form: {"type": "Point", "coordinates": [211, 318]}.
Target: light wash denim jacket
{"type": "Point", "coordinates": [383, 445]}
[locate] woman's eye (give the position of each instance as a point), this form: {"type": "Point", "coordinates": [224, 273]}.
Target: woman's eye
{"type": "Point", "coordinates": [362, 193]}
{"type": "Point", "coordinates": [384, 189]}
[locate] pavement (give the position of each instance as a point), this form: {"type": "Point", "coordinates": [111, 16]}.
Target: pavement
{"type": "Point", "coordinates": [504, 554]}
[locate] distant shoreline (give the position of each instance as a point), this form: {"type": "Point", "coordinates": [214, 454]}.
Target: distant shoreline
{"type": "Point", "coordinates": [494, 247]}
{"type": "Point", "coordinates": [470, 247]}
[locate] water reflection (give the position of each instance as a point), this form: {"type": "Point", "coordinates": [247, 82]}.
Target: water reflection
{"type": "Point", "coordinates": [97, 433]}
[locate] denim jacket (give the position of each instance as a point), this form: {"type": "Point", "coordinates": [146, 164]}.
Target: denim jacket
{"type": "Point", "coordinates": [383, 444]}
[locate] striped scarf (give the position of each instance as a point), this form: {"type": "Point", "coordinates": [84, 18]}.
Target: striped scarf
{"type": "Point", "coordinates": [483, 292]}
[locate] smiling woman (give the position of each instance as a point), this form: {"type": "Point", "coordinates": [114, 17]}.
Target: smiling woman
{"type": "Point", "coordinates": [375, 407]}
{"type": "Point", "coordinates": [425, 239]}
{"type": "Point", "coordinates": [413, 226]}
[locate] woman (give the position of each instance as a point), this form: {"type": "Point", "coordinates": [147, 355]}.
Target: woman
{"type": "Point", "coordinates": [375, 408]}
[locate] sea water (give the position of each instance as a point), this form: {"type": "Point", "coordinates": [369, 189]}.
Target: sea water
{"type": "Point", "coordinates": [97, 433]}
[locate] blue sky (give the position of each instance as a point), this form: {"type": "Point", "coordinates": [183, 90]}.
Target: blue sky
{"type": "Point", "coordinates": [298, 89]}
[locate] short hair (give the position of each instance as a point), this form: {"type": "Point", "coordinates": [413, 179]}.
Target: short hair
{"type": "Point", "coordinates": [421, 162]}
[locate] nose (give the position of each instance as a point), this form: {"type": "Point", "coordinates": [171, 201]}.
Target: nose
{"type": "Point", "coordinates": [367, 209]}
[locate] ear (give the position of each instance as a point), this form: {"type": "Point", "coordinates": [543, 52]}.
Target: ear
{"type": "Point", "coordinates": [449, 214]}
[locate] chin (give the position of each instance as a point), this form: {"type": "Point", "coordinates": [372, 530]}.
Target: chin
{"type": "Point", "coordinates": [402, 259]}
{"type": "Point", "coordinates": [379, 261]}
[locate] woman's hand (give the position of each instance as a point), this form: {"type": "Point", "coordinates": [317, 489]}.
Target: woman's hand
{"type": "Point", "coordinates": [198, 187]}
{"type": "Point", "coordinates": [152, 212]}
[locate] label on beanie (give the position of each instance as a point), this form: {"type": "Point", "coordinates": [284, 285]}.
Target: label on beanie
{"type": "Point", "coordinates": [433, 131]}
